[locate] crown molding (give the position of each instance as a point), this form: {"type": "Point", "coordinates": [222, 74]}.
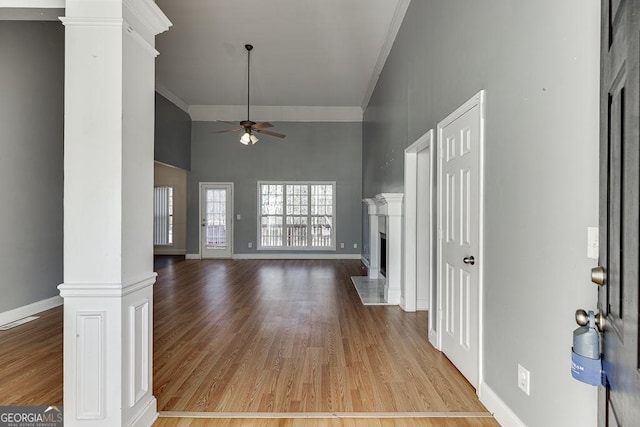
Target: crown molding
{"type": "Point", "coordinates": [149, 14]}
{"type": "Point", "coordinates": [38, 4]}
{"type": "Point", "coordinates": [175, 99]}
{"type": "Point", "coordinates": [394, 27]}
{"type": "Point", "coordinates": [210, 113]}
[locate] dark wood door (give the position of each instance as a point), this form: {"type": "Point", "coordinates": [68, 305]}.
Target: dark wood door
{"type": "Point", "coordinates": [619, 398]}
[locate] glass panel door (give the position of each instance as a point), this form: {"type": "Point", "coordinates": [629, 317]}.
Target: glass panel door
{"type": "Point", "coordinates": [216, 220]}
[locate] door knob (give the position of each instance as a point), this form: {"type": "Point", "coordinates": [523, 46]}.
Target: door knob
{"type": "Point", "coordinates": [600, 321]}
{"type": "Point", "coordinates": [582, 319]}
{"type": "Point", "coordinates": [598, 275]}
{"type": "Point", "coordinates": [469, 260]}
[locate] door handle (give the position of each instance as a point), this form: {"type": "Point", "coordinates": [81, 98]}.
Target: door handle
{"type": "Point", "coordinates": [600, 321]}
{"type": "Point", "coordinates": [582, 319]}
{"type": "Point", "coordinates": [469, 260]}
{"type": "Point", "coordinates": [598, 275]}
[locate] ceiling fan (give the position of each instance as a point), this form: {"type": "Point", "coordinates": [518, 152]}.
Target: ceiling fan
{"type": "Point", "coordinates": [248, 126]}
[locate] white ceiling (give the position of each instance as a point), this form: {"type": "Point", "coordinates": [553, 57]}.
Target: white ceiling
{"type": "Point", "coordinates": [312, 53]}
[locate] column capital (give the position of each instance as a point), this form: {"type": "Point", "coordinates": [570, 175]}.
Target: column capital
{"type": "Point", "coordinates": [371, 205]}
{"type": "Point", "coordinates": [390, 203]}
{"type": "Point", "coordinates": [142, 16]}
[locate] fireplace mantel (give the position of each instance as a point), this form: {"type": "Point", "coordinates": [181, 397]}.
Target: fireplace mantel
{"type": "Point", "coordinates": [385, 214]}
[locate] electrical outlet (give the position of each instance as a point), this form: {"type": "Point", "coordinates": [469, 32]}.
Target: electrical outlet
{"type": "Point", "coordinates": [355, 246]}
{"type": "Point", "coordinates": [342, 245]}
{"type": "Point", "coordinates": [238, 217]}
{"type": "Point", "coordinates": [250, 245]}
{"type": "Point", "coordinates": [523, 379]}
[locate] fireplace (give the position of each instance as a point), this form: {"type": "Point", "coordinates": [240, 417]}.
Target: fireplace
{"type": "Point", "coordinates": [383, 254]}
{"type": "Point", "coordinates": [385, 243]}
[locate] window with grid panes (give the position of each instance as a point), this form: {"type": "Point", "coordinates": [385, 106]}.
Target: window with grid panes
{"type": "Point", "coordinates": [296, 215]}
{"type": "Point", "coordinates": [163, 216]}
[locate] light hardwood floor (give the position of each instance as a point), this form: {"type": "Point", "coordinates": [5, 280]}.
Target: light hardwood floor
{"type": "Point", "coordinates": [266, 336]}
{"type": "Point", "coordinates": [31, 362]}
{"type": "Point", "coordinates": [292, 336]}
{"type": "Point", "coordinates": [342, 422]}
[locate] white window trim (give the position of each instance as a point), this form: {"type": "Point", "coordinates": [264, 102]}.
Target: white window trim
{"type": "Point", "coordinates": [259, 246]}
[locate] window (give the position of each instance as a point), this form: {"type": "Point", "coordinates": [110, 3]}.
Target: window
{"type": "Point", "coordinates": [163, 216]}
{"type": "Point", "coordinates": [296, 215]}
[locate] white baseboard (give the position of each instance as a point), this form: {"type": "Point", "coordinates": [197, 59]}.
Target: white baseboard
{"type": "Point", "coordinates": [301, 255]}
{"type": "Point", "coordinates": [501, 412]}
{"type": "Point", "coordinates": [30, 310]}
{"type": "Point", "coordinates": [433, 338]}
{"type": "Point", "coordinates": [422, 304]}
{"type": "Point", "coordinates": [147, 416]}
{"type": "Point", "coordinates": [192, 256]}
{"type": "Point", "coordinates": [365, 261]}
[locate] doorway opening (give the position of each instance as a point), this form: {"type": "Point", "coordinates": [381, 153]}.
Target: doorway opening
{"type": "Point", "coordinates": [419, 264]}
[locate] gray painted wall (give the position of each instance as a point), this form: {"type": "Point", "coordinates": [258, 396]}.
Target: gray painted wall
{"type": "Point", "coordinates": [538, 62]}
{"type": "Point", "coordinates": [311, 151]}
{"type": "Point", "coordinates": [31, 164]}
{"type": "Point", "coordinates": [172, 134]}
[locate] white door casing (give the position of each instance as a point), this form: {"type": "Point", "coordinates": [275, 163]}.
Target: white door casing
{"type": "Point", "coordinates": [424, 253]}
{"type": "Point", "coordinates": [216, 219]}
{"type": "Point", "coordinates": [419, 242]}
{"type": "Point", "coordinates": [460, 196]}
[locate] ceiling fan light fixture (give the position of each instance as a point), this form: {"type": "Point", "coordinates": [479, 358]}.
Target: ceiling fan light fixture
{"type": "Point", "coordinates": [246, 139]}
{"type": "Point", "coordinates": [253, 139]}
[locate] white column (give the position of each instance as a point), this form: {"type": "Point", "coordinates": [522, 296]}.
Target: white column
{"type": "Point", "coordinates": [108, 216]}
{"type": "Point", "coordinates": [390, 204]}
{"type": "Point", "coordinates": [374, 239]}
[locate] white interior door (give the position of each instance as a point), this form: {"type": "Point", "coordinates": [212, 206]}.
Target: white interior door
{"type": "Point", "coordinates": [459, 236]}
{"type": "Point", "coordinates": [216, 220]}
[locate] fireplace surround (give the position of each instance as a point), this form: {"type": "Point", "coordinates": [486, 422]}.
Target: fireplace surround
{"type": "Point", "coordinates": [385, 217]}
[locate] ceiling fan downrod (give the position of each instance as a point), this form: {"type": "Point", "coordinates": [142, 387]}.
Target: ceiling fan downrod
{"type": "Point", "coordinates": [249, 48]}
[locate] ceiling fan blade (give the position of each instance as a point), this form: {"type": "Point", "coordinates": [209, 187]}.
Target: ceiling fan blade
{"type": "Point", "coordinates": [229, 123]}
{"type": "Point", "coordinates": [266, 132]}
{"type": "Point", "coordinates": [229, 130]}
{"type": "Point", "coordinates": [262, 125]}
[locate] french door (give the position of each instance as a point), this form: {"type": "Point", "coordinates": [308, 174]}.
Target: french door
{"type": "Point", "coordinates": [216, 220]}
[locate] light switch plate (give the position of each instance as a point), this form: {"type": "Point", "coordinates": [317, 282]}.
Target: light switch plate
{"type": "Point", "coordinates": [523, 379]}
{"type": "Point", "coordinates": [593, 244]}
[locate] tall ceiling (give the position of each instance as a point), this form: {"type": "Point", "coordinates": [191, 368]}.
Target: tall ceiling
{"type": "Point", "coordinates": [312, 53]}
